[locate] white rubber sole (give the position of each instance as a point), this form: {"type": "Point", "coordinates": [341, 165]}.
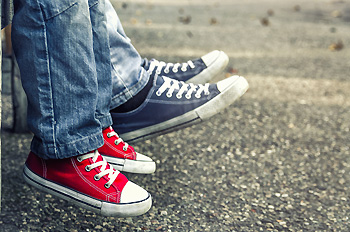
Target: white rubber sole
{"type": "Point", "coordinates": [133, 166]}
{"type": "Point", "coordinates": [101, 207]}
{"type": "Point", "coordinates": [212, 70]}
{"type": "Point", "coordinates": [214, 106]}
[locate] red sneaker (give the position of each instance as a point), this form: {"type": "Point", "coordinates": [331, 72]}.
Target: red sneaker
{"type": "Point", "coordinates": [123, 156]}
{"type": "Point", "coordinates": [90, 182]}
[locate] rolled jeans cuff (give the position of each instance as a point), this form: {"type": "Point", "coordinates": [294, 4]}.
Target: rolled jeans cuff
{"type": "Point", "coordinates": [105, 120]}
{"type": "Point", "coordinates": [74, 148]}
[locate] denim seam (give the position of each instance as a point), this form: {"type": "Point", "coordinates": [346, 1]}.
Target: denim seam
{"type": "Point", "coordinates": [102, 116]}
{"type": "Point", "coordinates": [120, 78]}
{"type": "Point", "coordinates": [93, 142]}
{"type": "Point", "coordinates": [77, 140]}
{"type": "Point", "coordinates": [94, 4]}
{"type": "Point", "coordinates": [52, 115]}
{"type": "Point", "coordinates": [68, 7]}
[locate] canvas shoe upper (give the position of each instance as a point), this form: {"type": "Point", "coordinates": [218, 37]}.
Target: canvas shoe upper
{"type": "Point", "coordinates": [90, 182]}
{"type": "Point", "coordinates": [198, 71]}
{"type": "Point", "coordinates": [123, 156]}
{"type": "Point", "coordinates": [172, 104]}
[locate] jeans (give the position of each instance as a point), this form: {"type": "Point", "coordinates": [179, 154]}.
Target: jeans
{"type": "Point", "coordinates": [74, 69]}
{"type": "Point", "coordinates": [128, 76]}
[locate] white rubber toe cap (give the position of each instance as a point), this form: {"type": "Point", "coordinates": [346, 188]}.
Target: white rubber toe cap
{"type": "Point", "coordinates": [140, 157]}
{"type": "Point", "coordinates": [238, 83]}
{"type": "Point", "coordinates": [133, 193]}
{"type": "Point", "coordinates": [225, 83]}
{"type": "Point", "coordinates": [211, 57]}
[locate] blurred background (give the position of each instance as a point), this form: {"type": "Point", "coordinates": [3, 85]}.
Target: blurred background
{"type": "Point", "coordinates": [277, 160]}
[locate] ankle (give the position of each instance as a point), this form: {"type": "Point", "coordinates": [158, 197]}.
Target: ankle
{"type": "Point", "coordinates": [136, 100]}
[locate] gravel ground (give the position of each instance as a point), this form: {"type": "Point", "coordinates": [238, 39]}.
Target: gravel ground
{"type": "Point", "coordinates": [278, 160]}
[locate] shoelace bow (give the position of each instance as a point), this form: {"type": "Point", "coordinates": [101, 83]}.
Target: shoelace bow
{"type": "Point", "coordinates": [173, 85]}
{"type": "Point", "coordinates": [159, 65]}
{"type": "Point", "coordinates": [112, 174]}
{"type": "Point", "coordinates": [118, 140]}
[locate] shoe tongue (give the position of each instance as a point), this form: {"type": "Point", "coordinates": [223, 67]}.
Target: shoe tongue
{"type": "Point", "coordinates": [100, 158]}
{"type": "Point", "coordinates": [108, 129]}
{"type": "Point", "coordinates": [159, 80]}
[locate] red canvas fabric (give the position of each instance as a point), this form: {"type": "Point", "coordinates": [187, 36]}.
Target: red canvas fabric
{"type": "Point", "coordinates": [111, 149]}
{"type": "Point", "coordinates": [72, 174]}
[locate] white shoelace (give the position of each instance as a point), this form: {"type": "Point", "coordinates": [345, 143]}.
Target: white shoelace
{"type": "Point", "coordinates": [173, 85]}
{"type": "Point", "coordinates": [112, 174]}
{"type": "Point", "coordinates": [159, 65]}
{"type": "Point", "coordinates": [119, 140]}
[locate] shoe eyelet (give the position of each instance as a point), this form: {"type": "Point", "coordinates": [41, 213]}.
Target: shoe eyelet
{"type": "Point", "coordinates": [79, 159]}
{"type": "Point", "coordinates": [178, 96]}
{"type": "Point", "coordinates": [87, 168]}
{"type": "Point", "coordinates": [125, 149]}
{"type": "Point", "coordinates": [207, 93]}
{"type": "Point", "coordinates": [188, 96]}
{"type": "Point", "coordinates": [96, 178]}
{"type": "Point", "coordinates": [116, 142]}
{"type": "Point", "coordinates": [169, 95]}
{"type": "Point", "coordinates": [183, 69]}
{"type": "Point", "coordinates": [109, 135]}
{"type": "Point", "coordinates": [166, 71]}
{"type": "Point", "coordinates": [107, 186]}
{"type": "Point", "coordinates": [158, 93]}
{"type": "Point", "coordinates": [175, 70]}
{"type": "Point", "coordinates": [158, 72]}
{"type": "Point", "coordinates": [197, 96]}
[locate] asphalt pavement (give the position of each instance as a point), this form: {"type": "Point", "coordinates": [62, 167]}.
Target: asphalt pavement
{"type": "Point", "coordinates": [277, 160]}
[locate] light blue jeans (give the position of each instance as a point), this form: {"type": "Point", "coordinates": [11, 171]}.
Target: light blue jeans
{"type": "Point", "coordinates": [128, 76]}
{"type": "Point", "coordinates": [63, 52]}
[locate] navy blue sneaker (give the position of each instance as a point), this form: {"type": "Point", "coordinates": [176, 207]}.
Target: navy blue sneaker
{"type": "Point", "coordinates": [198, 71]}
{"type": "Point", "coordinates": [171, 104]}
